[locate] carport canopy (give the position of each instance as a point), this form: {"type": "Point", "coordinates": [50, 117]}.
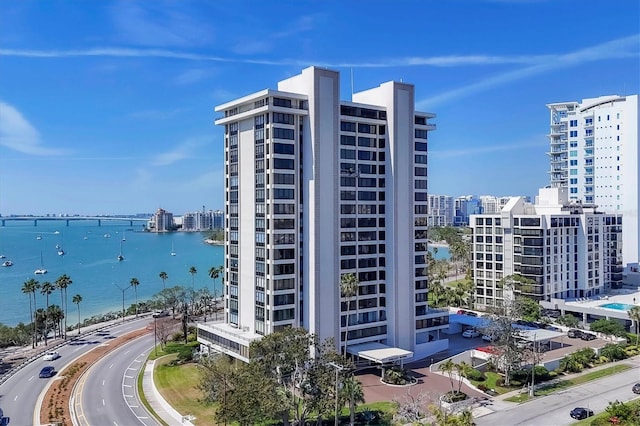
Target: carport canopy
{"type": "Point", "coordinates": [540, 335]}
{"type": "Point", "coordinates": [475, 322]}
{"type": "Point", "coordinates": [378, 352]}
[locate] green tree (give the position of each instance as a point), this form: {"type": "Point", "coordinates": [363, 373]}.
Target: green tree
{"type": "Point", "coordinates": [608, 326]}
{"type": "Point", "coordinates": [634, 315]}
{"type": "Point", "coordinates": [613, 352]}
{"type": "Point", "coordinates": [530, 309]}
{"type": "Point", "coordinates": [46, 289]}
{"type": "Point", "coordinates": [55, 315]}
{"type": "Point", "coordinates": [29, 287]}
{"type": "Point", "coordinates": [62, 283]}
{"type": "Point", "coordinates": [135, 283]}
{"type": "Point", "coordinates": [163, 276]}
{"type": "Point", "coordinates": [568, 320]}
{"type": "Point", "coordinates": [349, 285]}
{"type": "Point", "coordinates": [77, 299]}
{"type": "Point", "coordinates": [352, 392]}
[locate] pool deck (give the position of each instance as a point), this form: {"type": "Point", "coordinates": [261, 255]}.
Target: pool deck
{"type": "Point", "coordinates": [593, 305]}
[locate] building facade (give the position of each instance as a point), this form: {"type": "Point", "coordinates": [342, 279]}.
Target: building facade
{"type": "Point", "coordinates": [567, 249]}
{"type": "Point", "coordinates": [316, 188]}
{"type": "Point", "coordinates": [464, 206]}
{"type": "Point", "coordinates": [594, 154]}
{"type": "Point", "coordinates": [441, 210]}
{"type": "Point", "coordinates": [161, 221]}
{"type": "Point", "coordinates": [197, 221]}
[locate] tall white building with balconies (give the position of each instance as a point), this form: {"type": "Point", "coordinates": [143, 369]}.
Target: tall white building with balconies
{"type": "Point", "coordinates": [567, 249]}
{"type": "Point", "coordinates": [594, 154]}
{"type": "Point", "coordinates": [316, 188]}
{"type": "Point", "coordinates": [441, 210]}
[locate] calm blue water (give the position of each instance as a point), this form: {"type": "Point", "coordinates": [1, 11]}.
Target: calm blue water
{"type": "Point", "coordinates": [90, 261]}
{"type": "Point", "coordinates": [617, 306]}
{"type": "Point", "coordinates": [442, 254]}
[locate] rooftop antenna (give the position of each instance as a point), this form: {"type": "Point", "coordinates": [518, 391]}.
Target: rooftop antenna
{"type": "Point", "coordinates": [352, 84]}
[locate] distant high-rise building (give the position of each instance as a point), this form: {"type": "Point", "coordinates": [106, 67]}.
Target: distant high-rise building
{"type": "Point", "coordinates": [567, 249]}
{"type": "Point", "coordinates": [594, 154]}
{"type": "Point", "coordinates": [197, 221]}
{"type": "Point", "coordinates": [464, 206]}
{"type": "Point", "coordinates": [440, 210]}
{"type": "Point", "coordinates": [218, 219]}
{"type": "Point", "coordinates": [317, 188]}
{"type": "Point", "coordinates": [161, 221]}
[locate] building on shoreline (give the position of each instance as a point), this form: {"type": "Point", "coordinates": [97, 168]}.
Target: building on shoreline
{"type": "Point", "coordinates": [568, 249]}
{"type": "Point", "coordinates": [161, 221]}
{"type": "Point", "coordinates": [316, 188]}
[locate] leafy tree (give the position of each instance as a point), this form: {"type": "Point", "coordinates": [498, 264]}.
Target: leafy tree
{"type": "Point", "coordinates": [568, 320]}
{"type": "Point", "coordinates": [608, 326]}
{"type": "Point", "coordinates": [623, 412]}
{"type": "Point", "coordinates": [77, 299]}
{"type": "Point", "coordinates": [634, 315]}
{"type": "Point", "coordinates": [352, 392]}
{"type": "Point", "coordinates": [530, 309]}
{"type": "Point", "coordinates": [349, 285]}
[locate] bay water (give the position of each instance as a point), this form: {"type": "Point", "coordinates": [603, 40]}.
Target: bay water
{"type": "Point", "coordinates": [90, 260]}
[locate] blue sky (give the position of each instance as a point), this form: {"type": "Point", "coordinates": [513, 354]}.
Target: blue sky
{"type": "Point", "coordinates": [107, 106]}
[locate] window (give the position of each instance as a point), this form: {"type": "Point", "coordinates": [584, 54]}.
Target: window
{"type": "Point", "coordinates": [280, 133]}
{"type": "Point", "coordinates": [347, 126]}
{"type": "Point", "coordinates": [280, 102]}
{"type": "Point", "coordinates": [348, 154]}
{"type": "Point", "coordinates": [283, 163]}
{"type": "Point", "coordinates": [347, 140]}
{"type": "Point", "coordinates": [280, 117]}
{"type": "Point", "coordinates": [283, 194]}
{"type": "Point", "coordinates": [573, 134]}
{"type": "Point", "coordinates": [283, 148]}
{"type": "Point", "coordinates": [573, 123]}
{"type": "Point", "coordinates": [283, 178]}
{"type": "Point", "coordinates": [420, 134]}
{"type": "Point", "coordinates": [366, 128]}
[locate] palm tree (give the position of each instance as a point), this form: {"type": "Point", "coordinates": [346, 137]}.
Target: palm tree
{"type": "Point", "coordinates": [214, 273]}
{"type": "Point", "coordinates": [62, 283]}
{"type": "Point", "coordinates": [349, 288]}
{"type": "Point", "coordinates": [47, 289]}
{"type": "Point", "coordinates": [77, 299]}
{"type": "Point", "coordinates": [353, 393]}
{"type": "Point", "coordinates": [135, 283]}
{"type": "Point", "coordinates": [29, 287]}
{"type": "Point", "coordinates": [55, 316]}
{"type": "Point", "coordinates": [163, 277]}
{"type": "Point", "coordinates": [634, 314]}
{"type": "Point", "coordinates": [193, 271]}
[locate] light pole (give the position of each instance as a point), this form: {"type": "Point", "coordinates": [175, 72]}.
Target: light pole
{"type": "Point", "coordinates": [123, 290]}
{"type": "Point", "coordinates": [338, 368]}
{"type": "Point", "coordinates": [155, 334]}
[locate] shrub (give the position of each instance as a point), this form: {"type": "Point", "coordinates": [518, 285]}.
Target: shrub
{"type": "Point", "coordinates": [177, 336]}
{"type": "Point", "coordinates": [482, 387]}
{"type": "Point", "coordinates": [454, 396]}
{"type": "Point", "coordinates": [499, 381]}
{"type": "Point", "coordinates": [474, 374]}
{"type": "Point", "coordinates": [553, 374]}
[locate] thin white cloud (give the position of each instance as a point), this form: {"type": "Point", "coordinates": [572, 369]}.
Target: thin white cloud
{"type": "Point", "coordinates": [192, 76]}
{"type": "Point", "coordinates": [18, 134]}
{"type": "Point", "coordinates": [537, 142]}
{"type": "Point", "coordinates": [626, 47]}
{"type": "Point", "coordinates": [182, 151]}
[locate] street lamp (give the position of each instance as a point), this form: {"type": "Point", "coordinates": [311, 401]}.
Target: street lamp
{"type": "Point", "coordinates": [123, 290]}
{"type": "Point", "coordinates": [338, 368]}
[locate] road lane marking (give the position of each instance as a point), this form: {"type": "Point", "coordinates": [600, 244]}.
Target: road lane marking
{"type": "Point", "coordinates": [16, 398]}
{"type": "Point", "coordinates": [102, 382]}
{"type": "Point", "coordinates": [129, 396]}
{"type": "Point", "coordinates": [103, 403]}
{"type": "Point", "coordinates": [128, 377]}
{"type": "Point", "coordinates": [111, 366]}
{"type": "Point", "coordinates": [30, 378]}
{"type": "Point", "coordinates": [127, 386]}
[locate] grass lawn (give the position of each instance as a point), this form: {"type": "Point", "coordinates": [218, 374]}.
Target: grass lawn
{"type": "Point", "coordinates": [564, 384]}
{"type": "Point", "coordinates": [178, 385]}
{"type": "Point", "coordinates": [490, 382]}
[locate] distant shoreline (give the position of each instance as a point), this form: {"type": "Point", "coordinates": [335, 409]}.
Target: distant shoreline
{"type": "Point", "coordinates": [213, 242]}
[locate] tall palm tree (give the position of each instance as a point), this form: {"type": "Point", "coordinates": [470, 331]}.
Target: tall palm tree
{"type": "Point", "coordinates": [193, 271]}
{"type": "Point", "coordinates": [62, 283]}
{"type": "Point", "coordinates": [77, 299]}
{"type": "Point", "coordinates": [163, 277]}
{"type": "Point", "coordinates": [34, 290]}
{"type": "Point", "coordinates": [634, 314]}
{"type": "Point", "coordinates": [54, 317]}
{"type": "Point", "coordinates": [46, 289]}
{"type": "Point", "coordinates": [353, 394]}
{"type": "Point", "coordinates": [135, 283]}
{"type": "Point", "coordinates": [214, 274]}
{"type": "Point", "coordinates": [348, 289]}
{"type": "Point", "coordinates": [28, 287]}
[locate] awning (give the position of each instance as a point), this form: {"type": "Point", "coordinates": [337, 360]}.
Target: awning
{"type": "Point", "coordinates": [378, 352]}
{"type": "Point", "coordinates": [540, 335]}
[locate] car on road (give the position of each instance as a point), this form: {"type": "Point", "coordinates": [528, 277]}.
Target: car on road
{"type": "Point", "coordinates": [160, 314]}
{"type": "Point", "coordinates": [47, 372]}
{"type": "Point", "coordinates": [51, 356]}
{"type": "Point", "coordinates": [574, 333]}
{"type": "Point", "coordinates": [471, 333]}
{"type": "Point", "coordinates": [580, 413]}
{"type": "Point", "coordinates": [636, 388]}
{"type": "Point", "coordinates": [588, 336]}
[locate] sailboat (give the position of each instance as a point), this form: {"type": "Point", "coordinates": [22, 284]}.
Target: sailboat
{"type": "Point", "coordinates": [120, 256]}
{"type": "Point", "coordinates": [173, 253]}
{"type": "Point", "coordinates": [124, 238]}
{"type": "Point", "coordinates": [60, 249]}
{"type": "Point", "coordinates": [41, 270]}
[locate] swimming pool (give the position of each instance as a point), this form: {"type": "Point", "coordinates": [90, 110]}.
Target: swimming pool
{"type": "Point", "coordinates": [617, 306]}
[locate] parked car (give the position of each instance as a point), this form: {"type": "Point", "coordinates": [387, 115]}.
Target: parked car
{"type": "Point", "coordinates": [574, 333]}
{"type": "Point", "coordinates": [636, 388]}
{"type": "Point", "coordinates": [51, 356]}
{"type": "Point", "coordinates": [471, 333]}
{"type": "Point", "coordinates": [580, 413]}
{"type": "Point", "coordinates": [588, 336]}
{"type": "Point", "coordinates": [47, 371]}
{"type": "Point", "coordinates": [488, 337]}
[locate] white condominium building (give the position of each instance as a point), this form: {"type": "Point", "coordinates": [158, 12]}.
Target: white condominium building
{"type": "Point", "coordinates": [491, 204]}
{"type": "Point", "coordinates": [567, 249]}
{"type": "Point", "coordinates": [315, 188]}
{"type": "Point", "coordinates": [594, 154]}
{"type": "Point", "coordinates": [441, 210]}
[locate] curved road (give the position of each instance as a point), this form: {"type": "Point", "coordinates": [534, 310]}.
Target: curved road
{"type": "Point", "coordinates": [19, 394]}
{"type": "Point", "coordinates": [554, 409]}
{"type": "Point", "coordinates": [107, 393]}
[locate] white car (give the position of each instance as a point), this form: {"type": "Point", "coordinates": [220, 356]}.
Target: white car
{"type": "Point", "coordinates": [51, 356]}
{"type": "Point", "coordinates": [488, 337]}
{"type": "Point", "coordinates": [471, 333]}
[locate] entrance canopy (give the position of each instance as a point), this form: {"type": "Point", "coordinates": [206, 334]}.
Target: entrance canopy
{"type": "Point", "coordinates": [377, 352]}
{"type": "Point", "coordinates": [540, 335]}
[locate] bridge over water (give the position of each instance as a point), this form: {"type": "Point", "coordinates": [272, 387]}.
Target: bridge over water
{"type": "Point", "coordinates": [68, 219]}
